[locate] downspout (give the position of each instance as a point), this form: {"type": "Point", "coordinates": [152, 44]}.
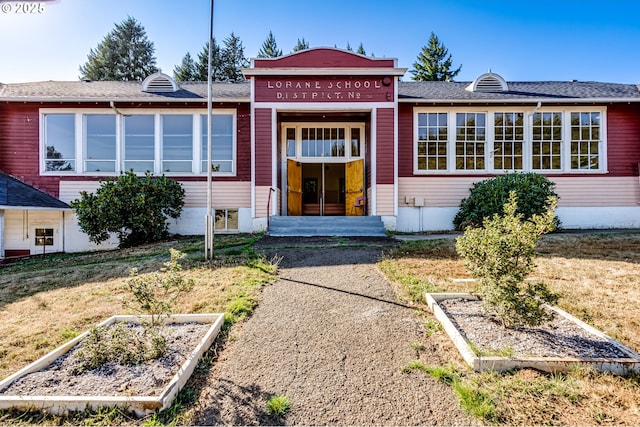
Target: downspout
{"type": "Point", "coordinates": [63, 234]}
{"type": "Point", "coordinates": [113, 105]}
{"type": "Point", "coordinates": [1, 233]}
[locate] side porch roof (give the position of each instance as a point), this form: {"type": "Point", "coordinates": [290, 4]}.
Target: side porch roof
{"type": "Point", "coordinates": [15, 194]}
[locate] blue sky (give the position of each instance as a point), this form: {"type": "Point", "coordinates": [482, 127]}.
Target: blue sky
{"type": "Point", "coordinates": [520, 40]}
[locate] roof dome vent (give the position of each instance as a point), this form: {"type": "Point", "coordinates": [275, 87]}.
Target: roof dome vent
{"type": "Point", "coordinates": [159, 82]}
{"type": "Point", "coordinates": [488, 82]}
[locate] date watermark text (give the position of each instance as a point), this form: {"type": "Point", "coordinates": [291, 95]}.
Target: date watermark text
{"type": "Point", "coordinates": [22, 8]}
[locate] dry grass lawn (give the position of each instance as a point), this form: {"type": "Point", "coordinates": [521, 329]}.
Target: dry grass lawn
{"type": "Point", "coordinates": [598, 278]}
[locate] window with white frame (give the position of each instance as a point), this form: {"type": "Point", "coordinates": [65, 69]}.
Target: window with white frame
{"type": "Point", "coordinates": [101, 142]}
{"type": "Point", "coordinates": [546, 142]}
{"type": "Point", "coordinates": [508, 143]}
{"type": "Point", "coordinates": [499, 139]}
{"type": "Point", "coordinates": [59, 143]}
{"type": "Point", "coordinates": [222, 143]}
{"type": "Point", "coordinates": [177, 143]}
{"type": "Point", "coordinates": [44, 237]}
{"type": "Point", "coordinates": [432, 141]}
{"type": "Point", "coordinates": [470, 141]}
{"type": "Point", "coordinates": [226, 220]}
{"type": "Point", "coordinates": [330, 142]}
{"type": "Point", "coordinates": [585, 140]}
{"type": "Point", "coordinates": [355, 142]}
{"type": "Point", "coordinates": [323, 142]}
{"type": "Point", "coordinates": [139, 143]}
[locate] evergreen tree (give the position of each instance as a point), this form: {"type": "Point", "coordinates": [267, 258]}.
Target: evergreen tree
{"type": "Point", "coordinates": [186, 71]}
{"type": "Point", "coordinates": [216, 63]}
{"type": "Point", "coordinates": [349, 48]}
{"type": "Point", "coordinates": [124, 54]}
{"type": "Point", "coordinates": [269, 48]}
{"type": "Point", "coordinates": [361, 50]}
{"type": "Point", "coordinates": [434, 62]}
{"type": "Point", "coordinates": [233, 59]}
{"type": "Point", "coordinates": [301, 45]}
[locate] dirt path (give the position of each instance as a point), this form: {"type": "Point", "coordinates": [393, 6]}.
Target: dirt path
{"type": "Point", "coordinates": [330, 335]}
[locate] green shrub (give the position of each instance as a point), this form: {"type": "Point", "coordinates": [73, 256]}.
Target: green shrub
{"type": "Point", "coordinates": [135, 208]}
{"type": "Point", "coordinates": [119, 343]}
{"type": "Point", "coordinates": [500, 254]}
{"type": "Point", "coordinates": [488, 197]}
{"type": "Point", "coordinates": [156, 293]}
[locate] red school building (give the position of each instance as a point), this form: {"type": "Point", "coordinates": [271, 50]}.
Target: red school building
{"type": "Point", "coordinates": [321, 132]}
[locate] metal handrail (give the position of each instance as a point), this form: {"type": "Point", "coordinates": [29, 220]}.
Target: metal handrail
{"type": "Point", "coordinates": [271, 190]}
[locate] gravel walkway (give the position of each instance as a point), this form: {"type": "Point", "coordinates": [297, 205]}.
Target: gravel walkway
{"type": "Point", "coordinates": [330, 335]}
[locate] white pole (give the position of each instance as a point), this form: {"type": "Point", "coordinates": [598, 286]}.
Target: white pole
{"type": "Point", "coordinates": [208, 238]}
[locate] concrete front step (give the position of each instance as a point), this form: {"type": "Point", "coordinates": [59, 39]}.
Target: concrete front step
{"type": "Point", "coordinates": [326, 226]}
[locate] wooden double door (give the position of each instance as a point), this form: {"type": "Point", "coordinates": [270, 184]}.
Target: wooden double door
{"type": "Point", "coordinates": [325, 188]}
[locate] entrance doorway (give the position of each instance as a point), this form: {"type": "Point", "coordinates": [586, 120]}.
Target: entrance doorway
{"type": "Point", "coordinates": [325, 189]}
{"type": "Point", "coordinates": [325, 173]}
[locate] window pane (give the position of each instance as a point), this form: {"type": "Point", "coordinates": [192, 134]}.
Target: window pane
{"type": "Point", "coordinates": [139, 166]}
{"type": "Point", "coordinates": [470, 143]}
{"type": "Point", "coordinates": [547, 141]}
{"type": "Point", "coordinates": [177, 143]}
{"type": "Point", "coordinates": [222, 143]}
{"type": "Point", "coordinates": [97, 166]}
{"type": "Point", "coordinates": [60, 142]}
{"type": "Point", "coordinates": [220, 220]}
{"type": "Point", "coordinates": [176, 166]}
{"type": "Point", "coordinates": [100, 143]}
{"type": "Point", "coordinates": [422, 163]}
{"type": "Point", "coordinates": [431, 148]}
{"type": "Point", "coordinates": [232, 219]}
{"type": "Point", "coordinates": [355, 142]}
{"type": "Point", "coordinates": [585, 140]}
{"type": "Point", "coordinates": [509, 137]}
{"type": "Point", "coordinates": [291, 142]}
{"type": "Point", "coordinates": [139, 140]}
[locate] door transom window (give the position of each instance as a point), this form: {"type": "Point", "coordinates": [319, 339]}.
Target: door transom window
{"type": "Point", "coordinates": [327, 142]}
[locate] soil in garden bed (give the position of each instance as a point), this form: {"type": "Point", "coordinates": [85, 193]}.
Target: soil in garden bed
{"type": "Point", "coordinates": [112, 379]}
{"type": "Point", "coordinates": [558, 338]}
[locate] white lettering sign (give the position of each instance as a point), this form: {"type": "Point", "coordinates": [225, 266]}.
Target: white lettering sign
{"type": "Point", "coordinates": [328, 90]}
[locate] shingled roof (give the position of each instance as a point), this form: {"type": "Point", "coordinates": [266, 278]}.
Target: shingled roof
{"type": "Point", "coordinates": [120, 91]}
{"type": "Point", "coordinates": [558, 91]}
{"type": "Point", "coordinates": [16, 194]}
{"type": "Point", "coordinates": [79, 91]}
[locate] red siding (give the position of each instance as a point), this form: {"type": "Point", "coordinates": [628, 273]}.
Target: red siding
{"type": "Point", "coordinates": [19, 146]}
{"type": "Point", "coordinates": [384, 145]}
{"type": "Point", "coordinates": [623, 139]}
{"type": "Point", "coordinates": [243, 149]}
{"type": "Point", "coordinates": [323, 57]}
{"type": "Point", "coordinates": [263, 146]}
{"type": "Point", "coordinates": [405, 140]}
